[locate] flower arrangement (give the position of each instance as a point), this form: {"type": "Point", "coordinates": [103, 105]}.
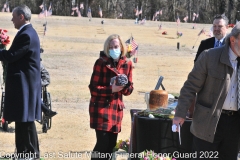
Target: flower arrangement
{"type": "Point", "coordinates": [231, 25]}
{"type": "Point", "coordinates": [4, 41]}
{"type": "Point", "coordinates": [150, 155]}
{"type": "Point", "coordinates": [179, 34]}
{"type": "Point", "coordinates": [124, 145]}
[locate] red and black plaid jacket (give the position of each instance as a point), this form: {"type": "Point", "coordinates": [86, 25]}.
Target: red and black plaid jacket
{"type": "Point", "coordinates": [106, 108]}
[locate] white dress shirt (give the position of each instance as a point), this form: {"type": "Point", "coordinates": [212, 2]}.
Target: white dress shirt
{"type": "Point", "coordinates": [230, 102]}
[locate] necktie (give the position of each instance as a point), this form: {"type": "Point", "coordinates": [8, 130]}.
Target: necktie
{"type": "Point", "coordinates": [238, 83]}
{"type": "Point", "coordinates": [218, 44]}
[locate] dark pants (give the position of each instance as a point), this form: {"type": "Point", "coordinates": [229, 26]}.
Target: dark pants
{"type": "Point", "coordinates": [26, 139]}
{"type": "Point", "coordinates": [106, 141]}
{"type": "Point", "coordinates": [225, 144]}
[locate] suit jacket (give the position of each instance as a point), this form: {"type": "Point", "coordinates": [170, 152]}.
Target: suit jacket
{"type": "Point", "coordinates": [23, 80]}
{"type": "Point", "coordinates": [206, 44]}
{"type": "Point", "coordinates": [106, 108]}
{"type": "Point", "coordinates": [210, 79]}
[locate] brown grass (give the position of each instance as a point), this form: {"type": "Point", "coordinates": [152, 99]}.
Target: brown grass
{"type": "Point", "coordinates": [71, 47]}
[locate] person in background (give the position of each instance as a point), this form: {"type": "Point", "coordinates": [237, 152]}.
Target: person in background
{"type": "Point", "coordinates": [106, 103]}
{"type": "Point", "coordinates": [45, 81]}
{"type": "Point", "coordinates": [216, 121]}
{"type": "Point", "coordinates": [23, 84]}
{"type": "Point", "coordinates": [220, 27]}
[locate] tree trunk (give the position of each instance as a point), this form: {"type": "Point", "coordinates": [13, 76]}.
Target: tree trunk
{"type": "Point", "coordinates": [86, 7]}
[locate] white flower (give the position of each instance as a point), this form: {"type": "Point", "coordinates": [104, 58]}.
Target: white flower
{"type": "Point", "coordinates": [151, 116]}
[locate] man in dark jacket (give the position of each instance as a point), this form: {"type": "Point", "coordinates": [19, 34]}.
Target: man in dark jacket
{"type": "Point", "coordinates": [220, 26]}
{"type": "Point", "coordinates": [23, 83]}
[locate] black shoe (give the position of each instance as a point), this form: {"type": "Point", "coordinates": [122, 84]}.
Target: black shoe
{"type": "Point", "coordinates": [50, 114]}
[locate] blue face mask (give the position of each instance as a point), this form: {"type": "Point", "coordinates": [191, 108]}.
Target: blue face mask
{"type": "Point", "coordinates": [115, 53]}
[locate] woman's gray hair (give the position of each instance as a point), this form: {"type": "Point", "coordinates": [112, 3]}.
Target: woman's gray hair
{"type": "Point", "coordinates": [235, 33]}
{"type": "Point", "coordinates": [24, 10]}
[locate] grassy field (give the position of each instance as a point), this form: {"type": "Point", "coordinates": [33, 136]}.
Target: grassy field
{"type": "Point", "coordinates": [71, 46]}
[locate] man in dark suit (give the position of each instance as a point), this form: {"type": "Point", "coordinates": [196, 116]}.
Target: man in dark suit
{"type": "Point", "coordinates": [23, 83]}
{"type": "Point", "coordinates": [220, 26]}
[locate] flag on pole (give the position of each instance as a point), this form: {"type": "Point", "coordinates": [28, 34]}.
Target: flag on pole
{"type": "Point", "coordinates": [8, 8]}
{"type": "Point", "coordinates": [210, 32]}
{"type": "Point", "coordinates": [4, 7]}
{"type": "Point", "coordinates": [100, 11]}
{"type": "Point", "coordinates": [143, 21]}
{"type": "Point", "coordinates": [185, 19]}
{"type": "Point", "coordinates": [49, 12]}
{"type": "Point", "coordinates": [140, 12]}
{"type": "Point", "coordinates": [45, 10]}
{"type": "Point", "coordinates": [178, 21]}
{"type": "Point", "coordinates": [160, 27]}
{"type": "Point", "coordinates": [132, 46]}
{"type": "Point", "coordinates": [89, 13]}
{"type": "Point", "coordinates": [136, 10]}
{"type": "Point", "coordinates": [81, 6]}
{"type": "Point", "coordinates": [78, 12]}
{"type": "Point", "coordinates": [194, 16]}
{"type": "Point", "coordinates": [155, 15]}
{"type": "Point", "coordinates": [42, 5]}
{"type": "Point", "coordinates": [42, 14]}
{"type": "Point", "coordinates": [120, 15]}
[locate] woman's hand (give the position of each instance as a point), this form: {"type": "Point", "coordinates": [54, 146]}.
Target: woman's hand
{"type": "Point", "coordinates": [116, 88]}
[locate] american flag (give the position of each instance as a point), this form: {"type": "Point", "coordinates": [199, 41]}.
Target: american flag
{"type": "Point", "coordinates": [194, 16]}
{"type": "Point", "coordinates": [178, 21]}
{"type": "Point", "coordinates": [134, 46]}
{"type": "Point", "coordinates": [155, 15]}
{"type": "Point", "coordinates": [143, 21]}
{"type": "Point", "coordinates": [41, 6]}
{"type": "Point", "coordinates": [160, 12]}
{"type": "Point", "coordinates": [41, 15]}
{"type": "Point", "coordinates": [210, 33]}
{"type": "Point", "coordinates": [49, 12]}
{"type": "Point", "coordinates": [136, 10]}
{"type": "Point", "coordinates": [185, 19]}
{"type": "Point", "coordinates": [44, 12]}
{"type": "Point", "coordinates": [78, 12]}
{"type": "Point", "coordinates": [4, 7]}
{"type": "Point", "coordinates": [100, 11]}
{"type": "Point", "coordinates": [140, 12]}
{"type": "Point", "coordinates": [120, 15]}
{"type": "Point", "coordinates": [132, 41]}
{"type": "Point", "coordinates": [8, 8]}
{"type": "Point", "coordinates": [89, 13]}
{"type": "Point", "coordinates": [81, 6]}
{"type": "Point", "coordinates": [73, 9]}
{"type": "Point", "coordinates": [160, 27]}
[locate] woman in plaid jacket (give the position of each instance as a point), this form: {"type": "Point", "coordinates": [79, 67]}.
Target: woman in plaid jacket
{"type": "Point", "coordinates": [106, 104]}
